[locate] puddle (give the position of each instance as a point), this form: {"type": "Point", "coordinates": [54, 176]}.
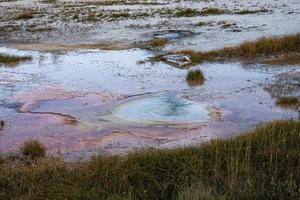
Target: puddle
{"type": "Point", "coordinates": [84, 102]}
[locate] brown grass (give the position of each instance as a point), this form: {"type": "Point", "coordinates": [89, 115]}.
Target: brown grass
{"type": "Point", "coordinates": [195, 77]}
{"type": "Point", "coordinates": [12, 60]}
{"type": "Point", "coordinates": [261, 48]}
{"type": "Point", "coordinates": [158, 42]}
{"type": "Point", "coordinates": [25, 15]}
{"type": "Point", "coordinates": [288, 102]}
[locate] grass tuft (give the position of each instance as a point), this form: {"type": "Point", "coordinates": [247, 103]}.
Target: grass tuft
{"type": "Point", "coordinates": [25, 15]}
{"type": "Point", "coordinates": [246, 12]}
{"type": "Point", "coordinates": [2, 124]}
{"type": "Point", "coordinates": [288, 102]}
{"type": "Point", "coordinates": [158, 42]}
{"type": "Point", "coordinates": [12, 60]}
{"type": "Point", "coordinates": [212, 11]}
{"type": "Point", "coordinates": [33, 149]}
{"type": "Point", "coordinates": [189, 12]}
{"type": "Point", "coordinates": [195, 77]}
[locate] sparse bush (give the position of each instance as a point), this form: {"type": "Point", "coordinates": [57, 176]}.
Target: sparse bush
{"type": "Point", "coordinates": [195, 77]}
{"type": "Point", "coordinates": [33, 149]}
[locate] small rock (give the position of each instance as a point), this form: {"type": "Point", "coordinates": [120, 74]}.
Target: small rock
{"type": "Point", "coordinates": [179, 60]}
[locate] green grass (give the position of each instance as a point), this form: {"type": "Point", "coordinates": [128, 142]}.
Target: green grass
{"type": "Point", "coordinates": [6, 59]}
{"type": "Point", "coordinates": [262, 164]}
{"type": "Point", "coordinates": [195, 77]}
{"type": "Point", "coordinates": [288, 102]}
{"type": "Point", "coordinates": [261, 48]}
{"type": "Point", "coordinates": [33, 149]}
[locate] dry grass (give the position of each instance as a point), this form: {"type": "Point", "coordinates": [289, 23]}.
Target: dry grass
{"type": "Point", "coordinates": [12, 60]}
{"type": "Point", "coordinates": [195, 77]}
{"type": "Point", "coordinates": [246, 12]}
{"type": "Point", "coordinates": [212, 11]}
{"type": "Point", "coordinates": [2, 124]}
{"type": "Point", "coordinates": [263, 164]}
{"type": "Point", "coordinates": [158, 42]}
{"type": "Point", "coordinates": [25, 15]}
{"type": "Point", "coordinates": [190, 12]}
{"type": "Point", "coordinates": [261, 48]}
{"type": "Point", "coordinates": [288, 102]}
{"type": "Point", "coordinates": [33, 149]}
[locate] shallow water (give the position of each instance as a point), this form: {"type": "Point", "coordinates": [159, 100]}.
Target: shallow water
{"type": "Point", "coordinates": [84, 102]}
{"type": "Point", "coordinates": [163, 109]}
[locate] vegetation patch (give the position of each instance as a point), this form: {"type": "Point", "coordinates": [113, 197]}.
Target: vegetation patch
{"type": "Point", "coordinates": [120, 15]}
{"type": "Point", "coordinates": [195, 77]}
{"type": "Point", "coordinates": [288, 102]}
{"type": "Point", "coordinates": [246, 12]}
{"type": "Point", "coordinates": [158, 42]}
{"type": "Point", "coordinates": [12, 60]}
{"type": "Point", "coordinates": [201, 23]}
{"type": "Point", "coordinates": [25, 15]}
{"type": "Point", "coordinates": [2, 124]}
{"type": "Point", "coordinates": [261, 48]}
{"type": "Point", "coordinates": [263, 164]}
{"type": "Point", "coordinates": [212, 11]}
{"type": "Point", "coordinates": [189, 12]}
{"type": "Point", "coordinates": [33, 149]}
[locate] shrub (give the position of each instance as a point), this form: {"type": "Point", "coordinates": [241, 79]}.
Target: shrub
{"type": "Point", "coordinates": [195, 77]}
{"type": "Point", "coordinates": [33, 149]}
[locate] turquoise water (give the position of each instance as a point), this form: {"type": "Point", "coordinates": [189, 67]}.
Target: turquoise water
{"type": "Point", "coordinates": [166, 108]}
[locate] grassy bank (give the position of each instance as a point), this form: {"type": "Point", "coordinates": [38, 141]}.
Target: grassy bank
{"type": "Point", "coordinates": [264, 164]}
{"type": "Point", "coordinates": [261, 48]}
